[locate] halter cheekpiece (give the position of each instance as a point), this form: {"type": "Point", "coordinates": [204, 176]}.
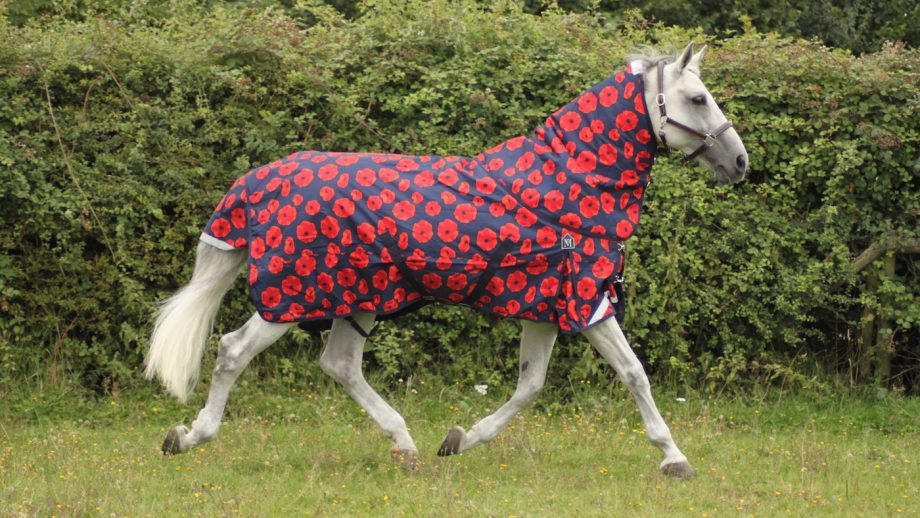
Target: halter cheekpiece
{"type": "Point", "coordinates": [709, 139]}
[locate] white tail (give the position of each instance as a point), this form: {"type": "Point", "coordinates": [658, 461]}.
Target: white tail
{"type": "Point", "coordinates": [184, 321]}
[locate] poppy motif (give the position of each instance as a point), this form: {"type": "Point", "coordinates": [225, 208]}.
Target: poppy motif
{"type": "Point", "coordinates": [488, 226]}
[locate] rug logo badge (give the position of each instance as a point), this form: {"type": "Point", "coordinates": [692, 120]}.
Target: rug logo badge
{"type": "Point", "coordinates": [568, 242]}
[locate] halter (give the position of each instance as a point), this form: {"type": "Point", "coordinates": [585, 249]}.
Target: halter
{"type": "Point", "coordinates": [708, 138]}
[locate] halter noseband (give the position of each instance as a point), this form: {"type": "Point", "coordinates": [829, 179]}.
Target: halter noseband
{"type": "Point", "coordinates": [708, 138]}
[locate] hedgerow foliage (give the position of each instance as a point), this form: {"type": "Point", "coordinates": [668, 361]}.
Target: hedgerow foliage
{"type": "Point", "coordinates": [118, 137]}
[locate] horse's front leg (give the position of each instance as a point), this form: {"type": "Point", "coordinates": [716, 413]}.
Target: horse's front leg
{"type": "Point", "coordinates": [341, 359]}
{"type": "Point", "coordinates": [537, 341]}
{"type": "Point", "coordinates": [608, 339]}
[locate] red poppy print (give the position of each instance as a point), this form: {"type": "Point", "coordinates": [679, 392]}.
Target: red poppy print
{"type": "Point", "coordinates": [609, 96]}
{"type": "Point", "coordinates": [531, 197]}
{"type": "Point", "coordinates": [275, 264]}
{"type": "Point", "coordinates": [366, 177]}
{"type": "Point", "coordinates": [570, 220]}
{"type": "Point", "coordinates": [549, 287]}
{"type": "Point", "coordinates": [627, 121]}
{"type": "Point", "coordinates": [291, 285]}
{"type": "Point", "coordinates": [546, 237]}
{"type": "Point", "coordinates": [510, 232]}
{"type": "Point", "coordinates": [587, 103]}
{"type": "Point", "coordinates": [587, 161]}
{"type": "Point", "coordinates": [314, 242]}
{"type": "Point", "coordinates": [404, 210]}
{"type": "Point", "coordinates": [273, 237]}
{"type": "Point", "coordinates": [624, 229]}
{"type": "Point", "coordinates": [365, 233]}
{"type": "Point", "coordinates": [422, 231]}
{"type": "Point", "coordinates": [407, 165]}
{"type": "Point", "coordinates": [359, 258]}
{"type": "Point", "coordinates": [496, 286]}
{"type": "Point", "coordinates": [302, 178]}
{"type": "Point", "coordinates": [346, 277]}
{"type": "Point", "coordinates": [633, 213]}
{"type": "Point", "coordinates": [570, 121]}
{"type": "Point", "coordinates": [486, 239]}
{"type": "Point", "coordinates": [589, 206]}
{"type": "Point", "coordinates": [343, 207]}
{"type": "Point", "coordinates": [324, 282]}
{"type": "Point", "coordinates": [329, 227]}
{"type": "Point", "coordinates": [525, 218]}
{"type": "Point", "coordinates": [465, 213]}
{"type": "Point", "coordinates": [271, 297]}
{"type": "Point", "coordinates": [257, 248]}
{"type": "Point", "coordinates": [286, 215]}
{"type": "Point", "coordinates": [238, 218]}
{"type": "Point", "coordinates": [447, 230]}
{"type": "Point", "coordinates": [327, 172]}
{"type": "Point", "coordinates": [538, 265]}
{"type": "Point", "coordinates": [305, 265]}
{"type": "Point", "coordinates": [387, 175]}
{"type": "Point", "coordinates": [220, 227]}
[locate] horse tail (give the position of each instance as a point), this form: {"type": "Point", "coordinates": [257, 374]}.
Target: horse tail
{"type": "Point", "coordinates": [184, 321]}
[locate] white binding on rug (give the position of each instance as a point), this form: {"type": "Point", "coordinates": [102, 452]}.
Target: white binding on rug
{"type": "Point", "coordinates": [601, 309]}
{"type": "Point", "coordinates": [216, 243]}
{"type": "Point", "coordinates": [637, 67]}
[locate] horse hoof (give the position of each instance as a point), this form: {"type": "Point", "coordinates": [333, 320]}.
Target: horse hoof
{"type": "Point", "coordinates": [172, 443]}
{"type": "Point", "coordinates": [407, 459]}
{"type": "Point", "coordinates": [451, 444]}
{"type": "Point", "coordinates": [680, 469]}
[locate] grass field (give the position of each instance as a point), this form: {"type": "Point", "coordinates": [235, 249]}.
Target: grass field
{"type": "Point", "coordinates": [284, 452]}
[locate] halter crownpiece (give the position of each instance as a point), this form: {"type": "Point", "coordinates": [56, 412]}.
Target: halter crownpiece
{"type": "Point", "coordinates": [709, 139]}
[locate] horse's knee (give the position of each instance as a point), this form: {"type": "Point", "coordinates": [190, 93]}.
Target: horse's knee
{"type": "Point", "coordinates": [634, 377]}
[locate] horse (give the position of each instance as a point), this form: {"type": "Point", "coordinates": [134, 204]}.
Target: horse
{"type": "Point", "coordinates": [532, 229]}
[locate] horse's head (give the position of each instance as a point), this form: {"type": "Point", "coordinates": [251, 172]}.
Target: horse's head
{"type": "Point", "coordinates": [687, 118]}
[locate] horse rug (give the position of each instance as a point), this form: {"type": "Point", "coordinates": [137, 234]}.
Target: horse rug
{"type": "Point", "coordinates": [532, 228]}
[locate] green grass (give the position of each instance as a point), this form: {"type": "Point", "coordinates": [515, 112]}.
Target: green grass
{"type": "Point", "coordinates": [285, 452]}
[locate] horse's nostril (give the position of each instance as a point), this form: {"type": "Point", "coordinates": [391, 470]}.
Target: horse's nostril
{"type": "Point", "coordinates": [741, 162]}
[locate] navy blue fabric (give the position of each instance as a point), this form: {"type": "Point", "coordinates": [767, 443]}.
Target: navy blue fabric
{"type": "Point", "coordinates": [529, 229]}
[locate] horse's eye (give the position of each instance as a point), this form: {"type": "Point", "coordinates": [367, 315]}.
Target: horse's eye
{"type": "Point", "coordinates": [699, 100]}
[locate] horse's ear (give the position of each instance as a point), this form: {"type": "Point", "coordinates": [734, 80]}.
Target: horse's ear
{"type": "Point", "coordinates": [694, 64]}
{"type": "Point", "coordinates": [685, 58]}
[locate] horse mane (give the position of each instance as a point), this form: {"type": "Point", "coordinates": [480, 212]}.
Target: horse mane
{"type": "Point", "coordinates": [648, 58]}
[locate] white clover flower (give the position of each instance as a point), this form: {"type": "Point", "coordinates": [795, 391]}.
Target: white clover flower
{"type": "Point", "coordinates": [482, 389]}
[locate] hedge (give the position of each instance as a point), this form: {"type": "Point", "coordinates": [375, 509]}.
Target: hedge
{"type": "Point", "coordinates": [118, 137]}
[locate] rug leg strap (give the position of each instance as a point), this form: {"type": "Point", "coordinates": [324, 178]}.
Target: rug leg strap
{"type": "Point", "coordinates": [360, 330]}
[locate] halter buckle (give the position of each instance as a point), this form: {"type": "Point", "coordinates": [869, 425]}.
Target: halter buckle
{"type": "Point", "coordinates": [709, 140]}
{"type": "Point", "coordinates": [659, 99]}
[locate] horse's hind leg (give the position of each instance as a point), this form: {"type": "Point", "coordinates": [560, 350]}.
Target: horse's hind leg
{"type": "Point", "coordinates": [237, 349]}
{"type": "Point", "coordinates": [608, 339]}
{"type": "Point", "coordinates": [341, 359]}
{"type": "Point", "coordinates": [537, 341]}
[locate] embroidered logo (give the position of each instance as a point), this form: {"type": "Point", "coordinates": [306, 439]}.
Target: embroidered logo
{"type": "Point", "coordinates": [568, 242]}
